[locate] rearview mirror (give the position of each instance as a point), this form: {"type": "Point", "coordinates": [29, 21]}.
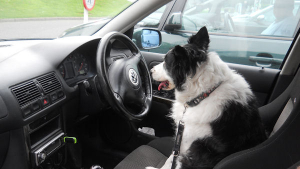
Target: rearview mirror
{"type": "Point", "coordinates": [147, 38]}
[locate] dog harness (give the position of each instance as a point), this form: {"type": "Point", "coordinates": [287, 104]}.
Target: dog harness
{"type": "Point", "coordinates": [178, 138]}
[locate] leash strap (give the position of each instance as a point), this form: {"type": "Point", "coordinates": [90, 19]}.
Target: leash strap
{"type": "Point", "coordinates": [176, 149]}
{"type": "Point", "coordinates": [202, 96]}
{"type": "Point", "coordinates": [194, 102]}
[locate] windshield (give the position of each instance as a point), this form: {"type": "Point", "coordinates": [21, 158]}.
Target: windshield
{"type": "Point", "coordinates": [40, 19]}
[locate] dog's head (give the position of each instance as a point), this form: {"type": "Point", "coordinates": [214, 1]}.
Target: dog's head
{"type": "Point", "coordinates": [182, 62]}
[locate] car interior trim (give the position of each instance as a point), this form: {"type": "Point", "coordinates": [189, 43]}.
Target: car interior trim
{"type": "Point", "coordinates": [292, 58]}
{"type": "Point", "coordinates": [237, 35]}
{"type": "Point", "coordinates": [134, 13]}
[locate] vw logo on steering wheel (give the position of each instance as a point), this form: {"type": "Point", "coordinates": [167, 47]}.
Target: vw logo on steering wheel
{"type": "Point", "coordinates": [133, 76]}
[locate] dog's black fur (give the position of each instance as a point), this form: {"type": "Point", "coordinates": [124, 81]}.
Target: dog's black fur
{"type": "Point", "coordinates": [183, 61]}
{"type": "Point", "coordinates": [238, 128]}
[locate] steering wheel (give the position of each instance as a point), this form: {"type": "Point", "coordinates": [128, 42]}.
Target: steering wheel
{"type": "Point", "coordinates": [126, 82]}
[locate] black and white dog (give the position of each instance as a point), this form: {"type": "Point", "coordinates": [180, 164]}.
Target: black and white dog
{"type": "Point", "coordinates": [215, 103]}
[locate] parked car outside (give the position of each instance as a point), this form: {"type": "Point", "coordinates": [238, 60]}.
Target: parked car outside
{"type": "Point", "coordinates": [255, 23]}
{"type": "Point", "coordinates": [86, 29]}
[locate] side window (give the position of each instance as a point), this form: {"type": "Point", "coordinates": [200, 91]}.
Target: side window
{"type": "Point", "coordinates": [195, 14]}
{"type": "Point", "coordinates": [250, 17]}
{"type": "Point", "coordinates": [152, 20]}
{"type": "Point", "coordinates": [248, 32]}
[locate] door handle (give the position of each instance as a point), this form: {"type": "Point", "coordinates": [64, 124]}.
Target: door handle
{"type": "Point", "coordinates": [265, 61]}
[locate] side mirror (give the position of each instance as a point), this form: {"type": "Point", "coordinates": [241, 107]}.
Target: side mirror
{"type": "Point", "coordinates": [147, 38]}
{"type": "Point", "coordinates": [174, 21]}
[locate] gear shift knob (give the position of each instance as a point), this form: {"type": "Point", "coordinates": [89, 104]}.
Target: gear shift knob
{"type": "Point", "coordinates": [96, 167]}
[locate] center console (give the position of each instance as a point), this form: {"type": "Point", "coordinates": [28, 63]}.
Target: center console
{"type": "Point", "coordinates": [45, 139]}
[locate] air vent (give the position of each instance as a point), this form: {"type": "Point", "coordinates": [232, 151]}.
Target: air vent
{"type": "Point", "coordinates": [26, 92]}
{"type": "Point", "coordinates": [49, 83]}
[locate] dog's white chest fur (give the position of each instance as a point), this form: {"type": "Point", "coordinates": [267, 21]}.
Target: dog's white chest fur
{"type": "Point", "coordinates": [196, 119]}
{"type": "Point", "coordinates": [195, 125]}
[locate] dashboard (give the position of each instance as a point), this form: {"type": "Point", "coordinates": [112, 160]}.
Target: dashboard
{"type": "Point", "coordinates": [46, 88]}
{"type": "Point", "coordinates": [41, 95]}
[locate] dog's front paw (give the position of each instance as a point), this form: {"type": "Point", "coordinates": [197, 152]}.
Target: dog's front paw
{"type": "Point", "coordinates": [150, 168]}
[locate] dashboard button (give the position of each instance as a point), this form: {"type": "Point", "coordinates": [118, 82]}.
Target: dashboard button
{"type": "Point", "coordinates": [45, 101]}
{"type": "Point", "coordinates": [26, 110]}
{"type": "Point", "coordinates": [36, 106]}
{"type": "Point", "coordinates": [60, 94]}
{"type": "Point", "coordinates": [53, 97]}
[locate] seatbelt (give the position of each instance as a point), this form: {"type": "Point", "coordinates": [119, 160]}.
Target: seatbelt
{"type": "Point", "coordinates": [284, 115]}
{"type": "Point", "coordinates": [176, 149]}
{"type": "Point", "coordinates": [191, 103]}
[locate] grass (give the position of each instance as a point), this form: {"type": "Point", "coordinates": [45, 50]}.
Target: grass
{"type": "Point", "coordinates": [58, 8]}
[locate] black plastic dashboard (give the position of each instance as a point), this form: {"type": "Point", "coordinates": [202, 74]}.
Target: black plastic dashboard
{"type": "Point", "coordinates": [45, 87]}
{"type": "Point", "coordinates": [70, 61]}
{"type": "Point", "coordinates": [37, 82]}
{"type": "Point", "coordinates": [35, 61]}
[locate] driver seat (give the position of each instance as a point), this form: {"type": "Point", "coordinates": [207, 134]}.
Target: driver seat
{"type": "Point", "coordinates": [280, 150]}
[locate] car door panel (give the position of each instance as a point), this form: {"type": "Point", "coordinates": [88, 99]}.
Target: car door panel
{"type": "Point", "coordinates": [261, 80]}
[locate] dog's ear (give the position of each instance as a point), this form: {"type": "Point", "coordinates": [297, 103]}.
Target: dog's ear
{"type": "Point", "coordinates": [180, 66]}
{"type": "Point", "coordinates": [179, 51]}
{"type": "Point", "coordinates": [180, 56]}
{"type": "Point", "coordinates": [201, 39]}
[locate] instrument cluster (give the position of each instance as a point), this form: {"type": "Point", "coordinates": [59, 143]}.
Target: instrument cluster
{"type": "Point", "coordinates": [75, 67]}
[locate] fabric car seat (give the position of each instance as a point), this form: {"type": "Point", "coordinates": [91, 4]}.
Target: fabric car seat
{"type": "Point", "coordinates": [154, 154]}
{"type": "Point", "coordinates": [280, 150]}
